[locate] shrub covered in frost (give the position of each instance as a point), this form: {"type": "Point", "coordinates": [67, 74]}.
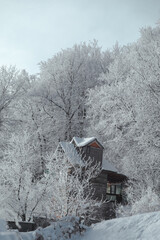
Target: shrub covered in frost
{"type": "Point", "coordinates": [148, 201]}
{"type": "Point", "coordinates": [65, 228]}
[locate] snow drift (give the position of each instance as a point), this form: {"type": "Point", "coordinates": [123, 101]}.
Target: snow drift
{"type": "Point", "coordinates": [139, 227]}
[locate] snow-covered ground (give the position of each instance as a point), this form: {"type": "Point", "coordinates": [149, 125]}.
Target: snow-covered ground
{"type": "Point", "coordinates": [138, 227]}
{"type": "Point", "coordinates": [142, 227]}
{"type": "Point", "coordinates": [60, 230]}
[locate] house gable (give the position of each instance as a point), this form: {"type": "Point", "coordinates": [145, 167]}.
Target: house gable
{"type": "Point", "coordinates": [95, 144]}
{"type": "Point", "coordinates": [81, 142]}
{"type": "Point", "coordinates": [89, 148]}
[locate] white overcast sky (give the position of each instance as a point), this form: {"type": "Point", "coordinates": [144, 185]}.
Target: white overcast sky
{"type": "Point", "coordinates": [34, 30]}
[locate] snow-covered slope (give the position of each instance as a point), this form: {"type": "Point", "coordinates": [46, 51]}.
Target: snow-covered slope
{"type": "Point", "coordinates": [141, 227]}
{"type": "Point", "coordinates": [138, 227]}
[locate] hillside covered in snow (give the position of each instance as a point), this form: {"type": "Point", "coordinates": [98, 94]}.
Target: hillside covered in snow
{"type": "Point", "coordinates": [139, 227]}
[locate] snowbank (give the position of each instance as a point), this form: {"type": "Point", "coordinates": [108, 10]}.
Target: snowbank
{"type": "Point", "coordinates": [143, 227]}
{"type": "Point", "coordinates": [17, 236]}
{"type": "Point", "coordinates": [139, 227]}
{"type": "Point", "coordinates": [63, 229]}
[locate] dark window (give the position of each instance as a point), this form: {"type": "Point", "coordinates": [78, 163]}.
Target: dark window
{"type": "Point", "coordinates": [108, 188]}
{"type": "Point", "coordinates": [118, 189]}
{"type": "Point", "coordinates": [114, 188]}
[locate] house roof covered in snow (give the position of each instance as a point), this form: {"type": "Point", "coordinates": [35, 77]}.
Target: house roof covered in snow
{"type": "Point", "coordinates": [75, 158]}
{"type": "Point", "coordinates": [71, 153]}
{"type": "Point", "coordinates": [108, 166]}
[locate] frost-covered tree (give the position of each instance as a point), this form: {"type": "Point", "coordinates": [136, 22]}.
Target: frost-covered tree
{"type": "Point", "coordinates": [11, 88]}
{"type": "Point", "coordinates": [72, 189]}
{"type": "Point", "coordinates": [111, 113]}
{"type": "Point", "coordinates": [145, 90]}
{"type": "Point", "coordinates": [29, 117]}
{"type": "Point", "coordinates": [32, 120]}
{"type": "Point", "coordinates": [126, 111]}
{"type": "Point", "coordinates": [22, 194]}
{"type": "Point", "coordinates": [64, 189]}
{"type": "Point", "coordinates": [64, 80]}
{"type": "Point", "coordinates": [12, 85]}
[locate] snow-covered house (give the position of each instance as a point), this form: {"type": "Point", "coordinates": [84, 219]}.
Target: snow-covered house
{"type": "Point", "coordinates": [109, 183]}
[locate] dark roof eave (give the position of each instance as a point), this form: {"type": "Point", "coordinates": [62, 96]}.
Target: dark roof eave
{"type": "Point", "coordinates": [115, 175]}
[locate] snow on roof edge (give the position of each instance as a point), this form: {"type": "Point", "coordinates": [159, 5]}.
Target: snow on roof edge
{"type": "Point", "coordinates": [81, 142]}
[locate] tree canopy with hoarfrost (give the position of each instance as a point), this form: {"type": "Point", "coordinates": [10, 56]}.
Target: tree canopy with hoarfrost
{"type": "Point", "coordinates": [126, 111]}
{"type": "Point", "coordinates": [64, 80]}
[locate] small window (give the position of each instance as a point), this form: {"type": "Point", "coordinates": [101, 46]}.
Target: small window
{"type": "Point", "coordinates": [114, 188]}
{"type": "Point", "coordinates": [118, 189]}
{"type": "Point", "coordinates": [108, 188]}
